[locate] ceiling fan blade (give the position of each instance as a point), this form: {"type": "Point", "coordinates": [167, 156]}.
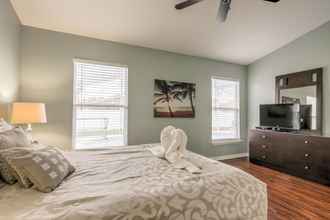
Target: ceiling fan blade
{"type": "Point", "coordinates": [186, 4]}
{"type": "Point", "coordinates": [224, 10]}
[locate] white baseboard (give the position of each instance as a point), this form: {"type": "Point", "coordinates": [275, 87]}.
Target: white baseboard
{"type": "Point", "coordinates": [231, 156]}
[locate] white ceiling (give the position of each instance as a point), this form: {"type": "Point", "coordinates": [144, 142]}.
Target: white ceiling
{"type": "Point", "coordinates": [254, 28]}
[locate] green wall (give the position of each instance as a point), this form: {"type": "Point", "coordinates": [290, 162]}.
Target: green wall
{"type": "Point", "coordinates": [47, 74]}
{"type": "Point", "coordinates": [9, 56]}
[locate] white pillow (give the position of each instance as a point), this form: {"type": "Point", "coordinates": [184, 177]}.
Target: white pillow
{"type": "Point", "coordinates": [4, 126]}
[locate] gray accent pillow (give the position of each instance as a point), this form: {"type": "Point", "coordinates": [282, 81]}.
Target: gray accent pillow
{"type": "Point", "coordinates": [7, 173]}
{"type": "Point", "coordinates": [45, 168]}
{"type": "Point", "coordinates": [14, 138]}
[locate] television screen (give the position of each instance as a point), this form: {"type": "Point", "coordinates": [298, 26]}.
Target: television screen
{"type": "Point", "coordinates": [280, 115]}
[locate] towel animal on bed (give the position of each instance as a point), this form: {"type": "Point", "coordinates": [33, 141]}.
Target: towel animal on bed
{"type": "Point", "coordinates": [173, 147]}
{"type": "Point", "coordinates": [177, 146]}
{"type": "Point", "coordinates": [165, 142]}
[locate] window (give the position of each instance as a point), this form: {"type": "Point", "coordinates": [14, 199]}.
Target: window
{"type": "Point", "coordinates": [225, 110]}
{"type": "Point", "coordinates": [99, 105]}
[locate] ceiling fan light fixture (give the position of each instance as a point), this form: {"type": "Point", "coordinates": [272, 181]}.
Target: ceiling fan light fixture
{"type": "Point", "coordinates": [223, 11]}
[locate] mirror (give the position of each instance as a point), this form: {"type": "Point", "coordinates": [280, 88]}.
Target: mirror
{"type": "Point", "coordinates": [303, 88]}
{"type": "Point", "coordinates": [307, 98]}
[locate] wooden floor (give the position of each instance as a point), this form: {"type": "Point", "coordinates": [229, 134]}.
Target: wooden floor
{"type": "Point", "coordinates": [289, 197]}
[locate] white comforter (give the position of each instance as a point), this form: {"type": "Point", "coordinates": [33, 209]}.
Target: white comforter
{"type": "Point", "coordinates": [129, 183]}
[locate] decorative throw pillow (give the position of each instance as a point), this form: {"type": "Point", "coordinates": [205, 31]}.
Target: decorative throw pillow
{"type": "Point", "coordinates": [4, 126]}
{"type": "Point", "coordinates": [14, 138]}
{"type": "Point", "coordinates": [45, 168]}
{"type": "Point", "coordinates": [7, 173]}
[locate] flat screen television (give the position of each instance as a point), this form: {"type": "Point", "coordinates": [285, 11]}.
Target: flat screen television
{"type": "Point", "coordinates": [281, 116]}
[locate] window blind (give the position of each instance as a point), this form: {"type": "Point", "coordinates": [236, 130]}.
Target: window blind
{"type": "Point", "coordinates": [99, 105]}
{"type": "Point", "coordinates": [225, 109]}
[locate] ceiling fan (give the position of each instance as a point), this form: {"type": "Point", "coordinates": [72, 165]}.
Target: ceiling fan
{"type": "Point", "coordinates": [223, 9]}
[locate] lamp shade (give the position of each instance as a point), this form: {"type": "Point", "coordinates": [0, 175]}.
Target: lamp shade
{"type": "Point", "coordinates": [28, 113]}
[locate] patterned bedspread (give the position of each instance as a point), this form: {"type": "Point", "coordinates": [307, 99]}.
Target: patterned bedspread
{"type": "Point", "coordinates": [129, 183]}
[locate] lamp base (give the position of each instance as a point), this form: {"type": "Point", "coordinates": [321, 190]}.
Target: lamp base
{"type": "Point", "coordinates": [29, 128]}
{"type": "Point", "coordinates": [28, 132]}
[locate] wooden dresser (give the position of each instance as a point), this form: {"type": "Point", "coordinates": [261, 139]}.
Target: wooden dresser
{"type": "Point", "coordinates": [296, 154]}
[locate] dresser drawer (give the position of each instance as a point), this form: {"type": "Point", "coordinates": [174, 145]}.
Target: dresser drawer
{"type": "Point", "coordinates": [261, 156]}
{"type": "Point", "coordinates": [309, 142]}
{"type": "Point", "coordinates": [304, 169]}
{"type": "Point", "coordinates": [311, 171]}
{"type": "Point", "coordinates": [265, 153]}
{"type": "Point", "coordinates": [260, 137]}
{"type": "Point", "coordinates": [254, 146]}
{"type": "Point", "coordinates": [300, 156]}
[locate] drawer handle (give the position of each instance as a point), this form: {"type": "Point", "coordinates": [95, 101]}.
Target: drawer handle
{"type": "Point", "coordinates": [307, 155]}
{"type": "Point", "coordinates": [263, 136]}
{"type": "Point", "coordinates": [264, 146]}
{"type": "Point", "coordinates": [263, 157]}
{"type": "Point", "coordinates": [306, 142]}
{"type": "Point", "coordinates": [307, 167]}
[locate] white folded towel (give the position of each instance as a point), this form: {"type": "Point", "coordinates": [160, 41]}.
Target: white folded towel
{"type": "Point", "coordinates": [173, 148]}
{"type": "Point", "coordinates": [187, 165]}
{"type": "Point", "coordinates": [178, 146]}
{"type": "Point", "coordinates": [165, 142]}
{"type": "Point", "coordinates": [166, 137]}
{"type": "Point", "coordinates": [177, 150]}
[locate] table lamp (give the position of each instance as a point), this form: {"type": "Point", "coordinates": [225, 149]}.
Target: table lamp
{"type": "Point", "coordinates": [28, 113]}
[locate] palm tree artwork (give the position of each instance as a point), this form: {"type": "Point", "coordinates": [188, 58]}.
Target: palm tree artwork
{"type": "Point", "coordinates": [174, 99]}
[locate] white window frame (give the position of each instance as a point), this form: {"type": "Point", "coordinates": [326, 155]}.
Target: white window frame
{"type": "Point", "coordinates": [75, 60]}
{"type": "Point", "coordinates": [226, 141]}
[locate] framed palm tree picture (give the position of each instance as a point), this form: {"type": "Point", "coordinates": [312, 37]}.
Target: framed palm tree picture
{"type": "Point", "coordinates": [174, 99]}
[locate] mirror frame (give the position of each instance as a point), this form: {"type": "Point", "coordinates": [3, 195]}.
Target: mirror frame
{"type": "Point", "coordinates": [303, 79]}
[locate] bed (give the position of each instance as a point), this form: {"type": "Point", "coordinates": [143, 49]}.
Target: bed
{"type": "Point", "coordinates": [130, 183]}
